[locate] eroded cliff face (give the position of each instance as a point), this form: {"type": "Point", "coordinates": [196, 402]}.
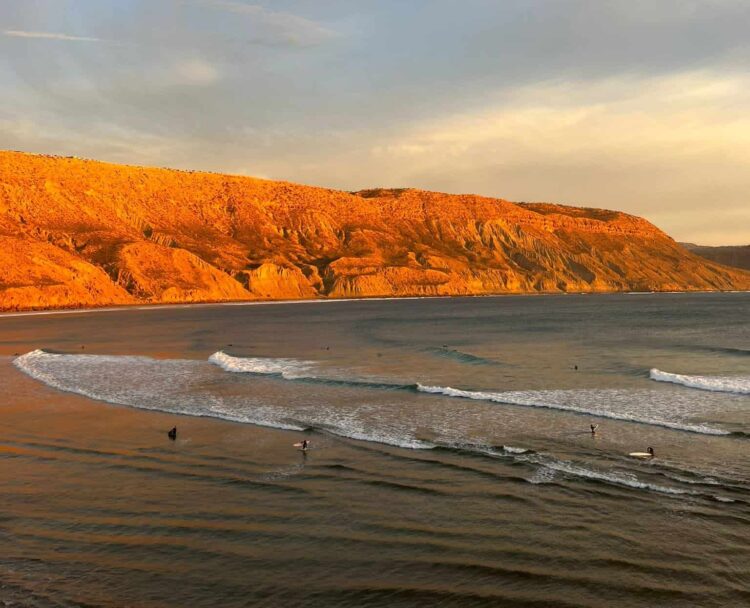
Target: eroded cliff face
{"type": "Point", "coordinates": [82, 233]}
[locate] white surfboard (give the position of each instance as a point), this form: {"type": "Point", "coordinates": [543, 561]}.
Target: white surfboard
{"type": "Point", "coordinates": [297, 445]}
{"type": "Point", "coordinates": [641, 455]}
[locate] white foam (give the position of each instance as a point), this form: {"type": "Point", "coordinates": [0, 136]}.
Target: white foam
{"type": "Point", "coordinates": [141, 382]}
{"type": "Point", "coordinates": [542, 475]}
{"type": "Point", "coordinates": [178, 386]}
{"type": "Point", "coordinates": [40, 365]}
{"type": "Point", "coordinates": [620, 479]}
{"type": "Point", "coordinates": [579, 401]}
{"type": "Point", "coordinates": [549, 469]}
{"type": "Point", "coordinates": [723, 499]}
{"type": "Point", "coordinates": [549, 465]}
{"type": "Point", "coordinates": [384, 438]}
{"type": "Point", "coordinates": [721, 384]}
{"type": "Point", "coordinates": [189, 387]}
{"type": "Point", "coordinates": [704, 481]}
{"type": "Point", "coordinates": [286, 368]}
{"type": "Point", "coordinates": [513, 450]}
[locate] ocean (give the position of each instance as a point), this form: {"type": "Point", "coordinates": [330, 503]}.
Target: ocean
{"type": "Point", "coordinates": [451, 460]}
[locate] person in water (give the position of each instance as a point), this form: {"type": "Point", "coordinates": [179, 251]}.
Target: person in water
{"type": "Point", "coordinates": [173, 433]}
{"type": "Point", "coordinates": [650, 451]}
{"type": "Point", "coordinates": [305, 443]}
{"type": "Point", "coordinates": [593, 428]}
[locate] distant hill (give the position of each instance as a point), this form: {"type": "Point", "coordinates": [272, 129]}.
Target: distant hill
{"type": "Point", "coordinates": [83, 233]}
{"type": "Point", "coordinates": [730, 255]}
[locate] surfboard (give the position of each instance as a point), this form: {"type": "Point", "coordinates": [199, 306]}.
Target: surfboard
{"type": "Point", "coordinates": [641, 455]}
{"type": "Point", "coordinates": [297, 445]}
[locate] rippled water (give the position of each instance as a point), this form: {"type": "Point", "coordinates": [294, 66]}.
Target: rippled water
{"type": "Point", "coordinates": [451, 461]}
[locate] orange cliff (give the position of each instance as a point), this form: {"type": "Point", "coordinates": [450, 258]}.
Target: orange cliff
{"type": "Point", "coordinates": [83, 233]}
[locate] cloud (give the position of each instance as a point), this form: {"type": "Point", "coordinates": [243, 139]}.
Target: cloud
{"type": "Point", "coordinates": [667, 148]}
{"type": "Point", "coordinates": [197, 72]}
{"type": "Point", "coordinates": [49, 36]}
{"type": "Point", "coordinates": [630, 104]}
{"type": "Point", "coordinates": [106, 140]}
{"type": "Point", "coordinates": [290, 28]}
{"type": "Point", "coordinates": [639, 117]}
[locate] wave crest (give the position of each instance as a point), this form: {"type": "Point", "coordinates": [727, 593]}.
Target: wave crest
{"type": "Point", "coordinates": [179, 387]}
{"type": "Point", "coordinates": [266, 366]}
{"type": "Point", "coordinates": [536, 399]}
{"type": "Point", "coordinates": [720, 384]}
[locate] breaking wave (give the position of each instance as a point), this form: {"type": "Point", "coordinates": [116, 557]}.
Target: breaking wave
{"type": "Point", "coordinates": [166, 385]}
{"type": "Point", "coordinates": [188, 387]}
{"type": "Point", "coordinates": [150, 383]}
{"type": "Point", "coordinates": [183, 386]}
{"type": "Point", "coordinates": [720, 384]}
{"type": "Point", "coordinates": [620, 405]}
{"type": "Point", "coordinates": [627, 406]}
{"type": "Point", "coordinates": [546, 469]}
{"type": "Point", "coordinates": [286, 368]}
{"type": "Point", "coordinates": [556, 400]}
{"type": "Point", "coordinates": [614, 478]}
{"type": "Point", "coordinates": [294, 369]}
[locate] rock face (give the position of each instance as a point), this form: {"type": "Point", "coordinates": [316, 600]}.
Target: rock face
{"type": "Point", "coordinates": [82, 233]}
{"type": "Point", "coordinates": [730, 255]}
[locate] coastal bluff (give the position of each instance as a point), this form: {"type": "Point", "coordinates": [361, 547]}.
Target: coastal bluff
{"type": "Point", "coordinates": [80, 233]}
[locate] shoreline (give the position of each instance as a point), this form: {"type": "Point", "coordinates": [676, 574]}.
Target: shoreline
{"type": "Point", "coordinates": [179, 305]}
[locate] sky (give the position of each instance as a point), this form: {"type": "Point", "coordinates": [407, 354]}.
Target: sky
{"type": "Point", "coordinates": [636, 105]}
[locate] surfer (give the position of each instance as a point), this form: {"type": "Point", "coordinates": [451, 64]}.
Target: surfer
{"type": "Point", "coordinates": [173, 433]}
{"type": "Point", "coordinates": [305, 443]}
{"type": "Point", "coordinates": [647, 455]}
{"type": "Point", "coordinates": [575, 367]}
{"type": "Point", "coordinates": [593, 428]}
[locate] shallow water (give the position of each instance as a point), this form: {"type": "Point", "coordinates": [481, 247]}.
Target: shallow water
{"type": "Point", "coordinates": [451, 462]}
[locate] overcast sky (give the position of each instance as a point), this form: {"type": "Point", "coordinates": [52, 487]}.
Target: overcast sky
{"type": "Point", "coordinates": [637, 105]}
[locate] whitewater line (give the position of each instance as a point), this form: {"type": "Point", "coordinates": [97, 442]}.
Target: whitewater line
{"type": "Point", "coordinates": [511, 398]}
{"type": "Point", "coordinates": [719, 384]}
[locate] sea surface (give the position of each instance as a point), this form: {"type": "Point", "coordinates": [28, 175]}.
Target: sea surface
{"type": "Point", "coordinates": [451, 459]}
